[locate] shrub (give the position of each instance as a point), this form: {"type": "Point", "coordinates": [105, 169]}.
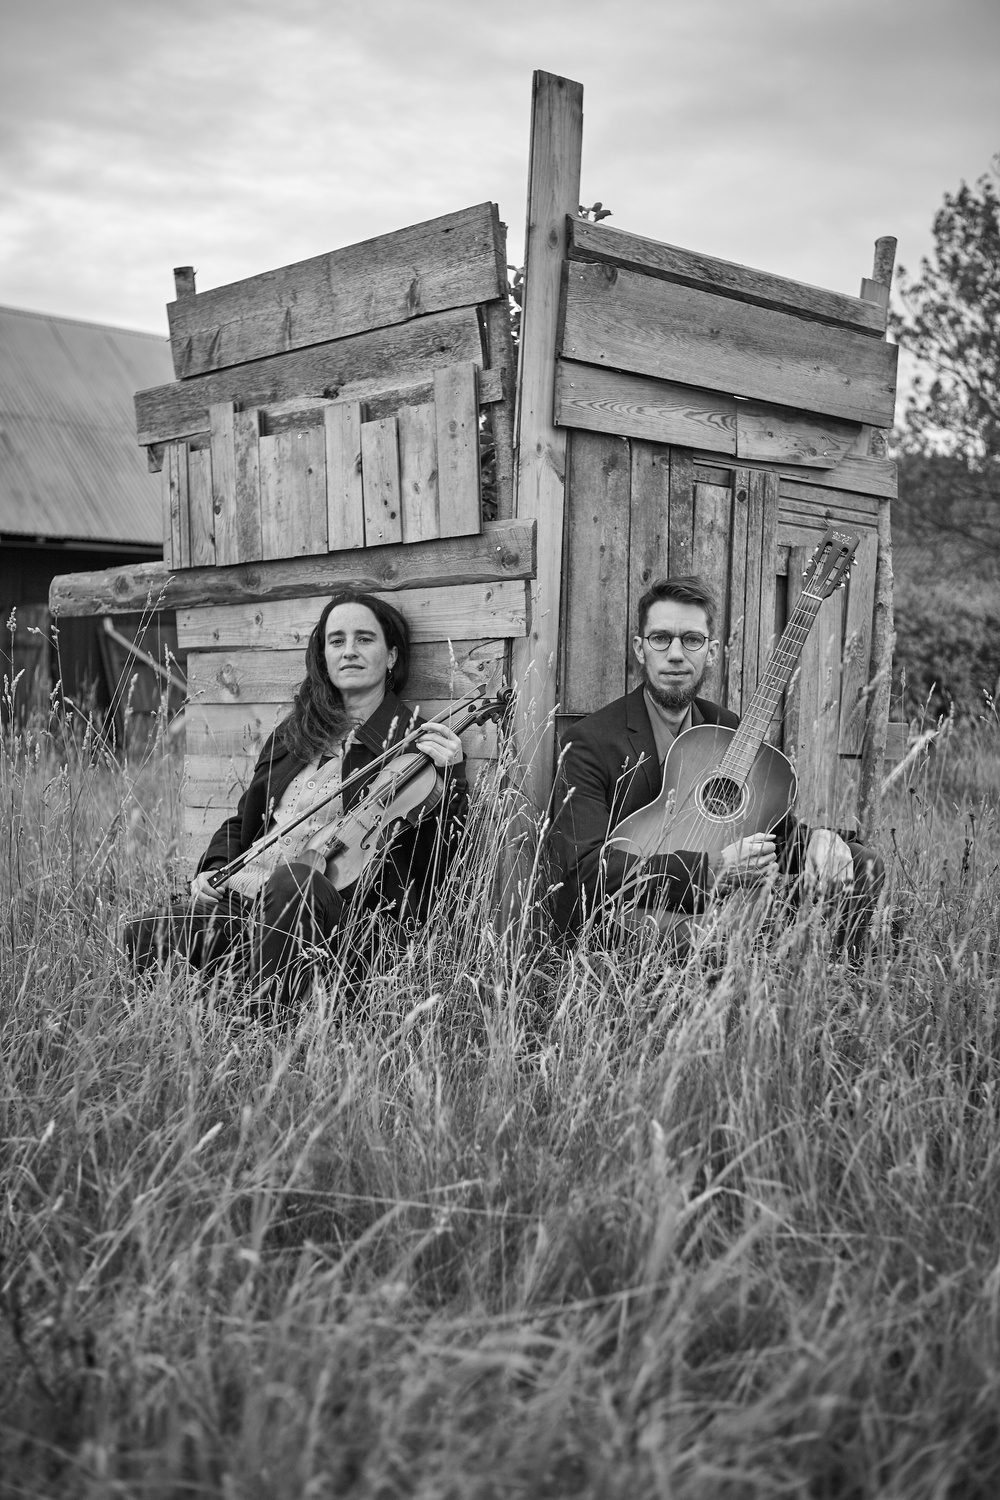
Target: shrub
{"type": "Point", "coordinates": [947, 647]}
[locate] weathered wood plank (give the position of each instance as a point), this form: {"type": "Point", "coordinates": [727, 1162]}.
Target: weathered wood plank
{"type": "Point", "coordinates": [776, 433]}
{"type": "Point", "coordinates": [661, 411]}
{"type": "Point", "coordinates": [503, 364]}
{"type": "Point", "coordinates": [713, 505]}
{"type": "Point", "coordinates": [438, 669]}
{"type": "Point", "coordinates": [624, 321]}
{"type": "Point", "coordinates": [349, 369]}
{"type": "Point", "coordinates": [309, 411]}
{"type": "Point", "coordinates": [176, 529]}
{"type": "Point", "coordinates": [457, 412]}
{"type": "Point", "coordinates": [293, 493]}
{"type": "Point", "coordinates": [553, 192]}
{"type": "Point", "coordinates": [246, 436]}
{"type": "Point", "coordinates": [276, 538]}
{"type": "Point", "coordinates": [595, 630]}
{"type": "Point", "coordinates": [649, 531]}
{"type": "Point", "coordinates": [739, 526]}
{"type": "Point", "coordinates": [233, 732]}
{"type": "Point", "coordinates": [200, 505]}
{"type": "Point", "coordinates": [434, 614]}
{"type": "Point", "coordinates": [444, 263]}
{"type": "Point", "coordinates": [309, 467]}
{"type": "Point", "coordinates": [827, 508]}
{"type": "Point", "coordinates": [344, 489]}
{"type": "Point", "coordinates": [753, 584]}
{"type": "Point", "coordinates": [854, 473]}
{"type": "Point", "coordinates": [505, 550]}
{"type": "Point", "coordinates": [418, 472]}
{"type": "Point", "coordinates": [216, 781]}
{"type": "Point", "coordinates": [681, 510]}
{"type": "Point", "coordinates": [604, 242]}
{"type": "Point", "coordinates": [166, 507]}
{"type": "Point", "coordinates": [380, 482]}
{"type": "Point", "coordinates": [858, 644]}
{"type": "Point", "coordinates": [221, 418]}
{"type": "Point", "coordinates": [768, 571]}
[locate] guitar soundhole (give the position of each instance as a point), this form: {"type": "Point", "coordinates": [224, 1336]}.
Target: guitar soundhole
{"type": "Point", "coordinates": [721, 797]}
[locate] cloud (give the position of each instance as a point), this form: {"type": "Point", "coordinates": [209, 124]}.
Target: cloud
{"type": "Point", "coordinates": [236, 137]}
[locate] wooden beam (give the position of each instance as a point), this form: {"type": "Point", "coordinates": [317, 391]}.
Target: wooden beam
{"type": "Point", "coordinates": [444, 263]}
{"type": "Point", "coordinates": [540, 450]}
{"type": "Point", "coordinates": [625, 321]}
{"type": "Point", "coordinates": [613, 246]}
{"type": "Point", "coordinates": [347, 369]}
{"type": "Point", "coordinates": [505, 550]}
{"type": "Point", "coordinates": [465, 612]}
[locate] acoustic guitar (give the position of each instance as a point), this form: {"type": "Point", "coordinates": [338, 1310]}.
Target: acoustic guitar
{"type": "Point", "coordinates": [722, 785]}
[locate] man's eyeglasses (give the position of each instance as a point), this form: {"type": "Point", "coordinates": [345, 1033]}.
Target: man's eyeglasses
{"type": "Point", "coordinates": [691, 640]}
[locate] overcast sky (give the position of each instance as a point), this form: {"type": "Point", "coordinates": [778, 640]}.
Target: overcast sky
{"type": "Point", "coordinates": [786, 134]}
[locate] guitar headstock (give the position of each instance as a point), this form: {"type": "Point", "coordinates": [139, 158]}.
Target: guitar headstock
{"type": "Point", "coordinates": [830, 563]}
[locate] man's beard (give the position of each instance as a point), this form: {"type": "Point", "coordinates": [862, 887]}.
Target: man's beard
{"type": "Point", "coordinates": [674, 699]}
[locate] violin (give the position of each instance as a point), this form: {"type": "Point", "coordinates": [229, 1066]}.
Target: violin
{"type": "Point", "coordinates": [406, 787]}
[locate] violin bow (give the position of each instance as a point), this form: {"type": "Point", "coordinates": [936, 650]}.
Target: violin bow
{"type": "Point", "coordinates": [489, 708]}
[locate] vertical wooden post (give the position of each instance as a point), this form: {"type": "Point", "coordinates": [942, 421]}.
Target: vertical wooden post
{"type": "Point", "coordinates": [553, 193]}
{"type": "Point", "coordinates": [184, 282]}
{"type": "Point", "coordinates": [876, 289]}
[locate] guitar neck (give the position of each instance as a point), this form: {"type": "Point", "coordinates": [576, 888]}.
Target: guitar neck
{"type": "Point", "coordinates": [756, 720]}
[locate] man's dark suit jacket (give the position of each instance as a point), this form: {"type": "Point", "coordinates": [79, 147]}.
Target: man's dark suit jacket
{"type": "Point", "coordinates": [610, 769]}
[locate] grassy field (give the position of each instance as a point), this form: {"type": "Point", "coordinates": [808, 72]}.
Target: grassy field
{"type": "Point", "coordinates": [515, 1224]}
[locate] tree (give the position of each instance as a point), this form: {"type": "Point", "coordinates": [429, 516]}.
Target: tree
{"type": "Point", "coordinates": [951, 322]}
{"type": "Point", "coordinates": [949, 445]}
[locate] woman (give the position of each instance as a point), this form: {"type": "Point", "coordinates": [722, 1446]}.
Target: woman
{"type": "Point", "coordinates": [345, 714]}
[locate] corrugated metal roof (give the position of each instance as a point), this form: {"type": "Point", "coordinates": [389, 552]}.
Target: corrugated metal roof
{"type": "Point", "coordinates": [70, 467]}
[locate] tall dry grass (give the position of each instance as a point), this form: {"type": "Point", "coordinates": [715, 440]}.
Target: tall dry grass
{"type": "Point", "coordinates": [514, 1221]}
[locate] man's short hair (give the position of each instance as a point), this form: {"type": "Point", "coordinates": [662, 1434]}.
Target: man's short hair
{"type": "Point", "coordinates": [688, 589]}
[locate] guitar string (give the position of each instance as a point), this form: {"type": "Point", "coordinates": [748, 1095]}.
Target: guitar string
{"type": "Point", "coordinates": [746, 740]}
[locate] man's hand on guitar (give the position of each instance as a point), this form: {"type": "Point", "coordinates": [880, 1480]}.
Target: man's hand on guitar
{"type": "Point", "coordinates": [750, 862]}
{"type": "Point", "coordinates": [829, 865]}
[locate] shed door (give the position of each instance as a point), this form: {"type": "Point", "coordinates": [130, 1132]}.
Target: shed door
{"type": "Point", "coordinates": [638, 511]}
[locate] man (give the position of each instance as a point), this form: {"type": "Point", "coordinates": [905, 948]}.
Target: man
{"type": "Point", "coordinates": [612, 766]}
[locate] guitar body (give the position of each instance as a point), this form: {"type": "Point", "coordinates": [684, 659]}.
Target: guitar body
{"type": "Point", "coordinates": [701, 809]}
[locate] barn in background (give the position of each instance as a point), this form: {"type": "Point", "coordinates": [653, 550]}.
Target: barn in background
{"type": "Point", "coordinates": [75, 494]}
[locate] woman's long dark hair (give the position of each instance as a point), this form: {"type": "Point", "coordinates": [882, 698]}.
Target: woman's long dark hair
{"type": "Point", "coordinates": [318, 716]}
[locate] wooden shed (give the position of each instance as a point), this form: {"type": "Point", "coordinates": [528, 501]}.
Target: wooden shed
{"type": "Point", "coordinates": [674, 413]}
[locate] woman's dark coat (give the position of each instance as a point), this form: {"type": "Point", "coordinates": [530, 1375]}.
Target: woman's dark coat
{"type": "Point", "coordinates": [418, 855]}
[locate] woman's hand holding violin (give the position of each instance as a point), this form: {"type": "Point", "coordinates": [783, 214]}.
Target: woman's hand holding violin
{"type": "Point", "coordinates": [441, 745]}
